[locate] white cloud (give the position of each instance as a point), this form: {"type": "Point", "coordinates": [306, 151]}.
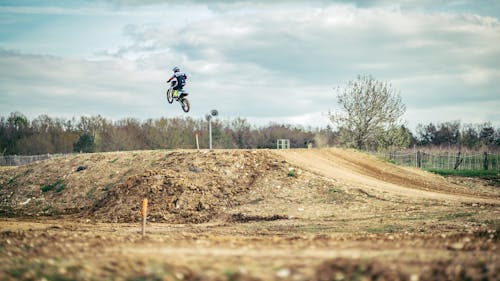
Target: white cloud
{"type": "Point", "coordinates": [273, 62]}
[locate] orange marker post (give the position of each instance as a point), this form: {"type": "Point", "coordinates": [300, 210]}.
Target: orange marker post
{"type": "Point", "coordinates": [144, 213]}
{"type": "Point", "coordinates": [197, 143]}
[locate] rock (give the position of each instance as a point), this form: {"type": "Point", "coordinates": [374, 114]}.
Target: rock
{"type": "Point", "coordinates": [283, 273]}
{"type": "Point", "coordinates": [195, 169]}
{"type": "Point", "coordinates": [456, 246]}
{"type": "Point", "coordinates": [81, 168]}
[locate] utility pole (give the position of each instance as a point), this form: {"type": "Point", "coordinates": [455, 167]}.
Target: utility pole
{"type": "Point", "coordinates": [210, 133]}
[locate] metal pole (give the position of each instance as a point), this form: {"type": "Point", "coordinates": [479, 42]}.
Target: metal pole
{"type": "Point", "coordinates": [210, 132]}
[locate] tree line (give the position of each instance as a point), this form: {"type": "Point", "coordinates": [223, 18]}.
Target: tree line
{"type": "Point", "coordinates": [44, 134]}
{"type": "Point", "coordinates": [453, 134]}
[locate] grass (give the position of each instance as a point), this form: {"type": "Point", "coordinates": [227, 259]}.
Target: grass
{"type": "Point", "coordinates": [333, 190]}
{"type": "Point", "coordinates": [90, 193]}
{"type": "Point", "coordinates": [453, 216]}
{"type": "Point", "coordinates": [108, 187]}
{"type": "Point", "coordinates": [58, 185]}
{"type": "Point", "coordinates": [14, 178]}
{"type": "Point", "coordinates": [10, 181]}
{"type": "Point", "coordinates": [60, 188]}
{"type": "Point", "coordinates": [467, 173]}
{"type": "Point", "coordinates": [385, 229]}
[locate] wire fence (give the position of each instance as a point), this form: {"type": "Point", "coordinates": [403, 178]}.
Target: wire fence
{"type": "Point", "coordinates": [445, 160]}
{"type": "Point", "coordinates": [422, 159]}
{"type": "Point", "coordinates": [18, 160]}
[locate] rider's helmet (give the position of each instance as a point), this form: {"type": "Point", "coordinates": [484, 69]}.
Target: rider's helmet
{"type": "Point", "coordinates": [176, 69]}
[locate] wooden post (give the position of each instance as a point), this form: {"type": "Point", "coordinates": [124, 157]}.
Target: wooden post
{"type": "Point", "coordinates": [419, 159]}
{"type": "Point", "coordinates": [458, 161]}
{"type": "Point", "coordinates": [485, 160]}
{"type": "Point", "coordinates": [144, 213]}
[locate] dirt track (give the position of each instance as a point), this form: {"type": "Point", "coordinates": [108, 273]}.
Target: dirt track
{"type": "Point", "coordinates": [353, 168]}
{"type": "Point", "coordinates": [244, 215]}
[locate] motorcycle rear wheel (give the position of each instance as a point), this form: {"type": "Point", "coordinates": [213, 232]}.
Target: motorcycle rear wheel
{"type": "Point", "coordinates": [170, 97]}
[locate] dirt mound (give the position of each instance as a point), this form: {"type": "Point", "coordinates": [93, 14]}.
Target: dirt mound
{"type": "Point", "coordinates": [192, 187]}
{"type": "Point", "coordinates": [189, 186]}
{"type": "Point", "coordinates": [181, 186]}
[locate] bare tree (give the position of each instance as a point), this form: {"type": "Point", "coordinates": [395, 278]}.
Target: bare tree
{"type": "Point", "coordinates": [368, 109]}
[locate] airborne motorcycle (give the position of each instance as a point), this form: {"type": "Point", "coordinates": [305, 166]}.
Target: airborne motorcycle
{"type": "Point", "coordinates": [178, 95]}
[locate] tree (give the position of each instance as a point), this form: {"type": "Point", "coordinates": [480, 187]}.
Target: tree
{"type": "Point", "coordinates": [394, 138]}
{"type": "Point", "coordinates": [85, 143]}
{"type": "Point", "coordinates": [368, 109]}
{"type": "Point", "coordinates": [13, 129]}
{"type": "Point", "coordinates": [469, 136]}
{"type": "Point", "coordinates": [487, 134]}
{"type": "Point", "coordinates": [240, 133]}
{"type": "Point", "coordinates": [448, 133]}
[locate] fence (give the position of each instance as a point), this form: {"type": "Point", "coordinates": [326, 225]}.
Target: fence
{"type": "Point", "coordinates": [18, 160]}
{"type": "Point", "coordinates": [445, 160]}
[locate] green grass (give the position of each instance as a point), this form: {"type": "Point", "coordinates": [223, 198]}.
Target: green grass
{"type": "Point", "coordinates": [58, 185]}
{"type": "Point", "coordinates": [453, 216]}
{"type": "Point", "coordinates": [333, 190]}
{"type": "Point", "coordinates": [467, 173]}
{"type": "Point", "coordinates": [14, 178]}
{"type": "Point", "coordinates": [10, 181]}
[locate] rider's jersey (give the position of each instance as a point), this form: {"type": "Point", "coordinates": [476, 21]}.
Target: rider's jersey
{"type": "Point", "coordinates": [181, 80]}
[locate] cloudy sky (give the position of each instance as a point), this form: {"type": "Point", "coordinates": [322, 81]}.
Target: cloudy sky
{"type": "Point", "coordinates": [266, 61]}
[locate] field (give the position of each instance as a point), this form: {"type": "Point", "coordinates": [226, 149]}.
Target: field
{"type": "Point", "coordinates": [318, 214]}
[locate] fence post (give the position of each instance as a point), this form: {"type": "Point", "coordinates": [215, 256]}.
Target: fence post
{"type": "Point", "coordinates": [458, 161]}
{"type": "Point", "coordinates": [485, 160]}
{"type": "Point", "coordinates": [419, 159]}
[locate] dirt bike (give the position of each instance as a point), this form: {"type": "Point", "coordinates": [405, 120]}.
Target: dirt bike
{"type": "Point", "coordinates": [181, 98]}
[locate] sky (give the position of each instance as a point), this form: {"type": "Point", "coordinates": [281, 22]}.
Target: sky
{"type": "Point", "coordinates": [266, 61]}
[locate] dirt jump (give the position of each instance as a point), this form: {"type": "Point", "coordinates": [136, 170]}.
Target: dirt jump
{"type": "Point", "coordinates": [316, 214]}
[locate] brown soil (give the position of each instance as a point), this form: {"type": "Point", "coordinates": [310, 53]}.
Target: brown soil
{"type": "Point", "coordinates": [326, 214]}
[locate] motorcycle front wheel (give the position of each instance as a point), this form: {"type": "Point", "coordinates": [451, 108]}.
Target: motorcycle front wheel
{"type": "Point", "coordinates": [185, 105]}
